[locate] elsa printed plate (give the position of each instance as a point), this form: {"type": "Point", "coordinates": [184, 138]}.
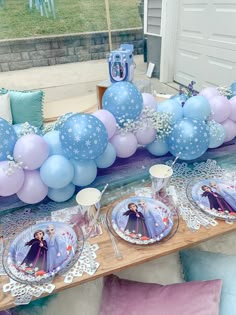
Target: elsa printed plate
{"type": "Point", "coordinates": [42, 251]}
{"type": "Point", "coordinates": [141, 220]}
{"type": "Point", "coordinates": [214, 196]}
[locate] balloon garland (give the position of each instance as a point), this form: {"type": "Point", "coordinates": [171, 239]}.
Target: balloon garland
{"type": "Point", "coordinates": [35, 164]}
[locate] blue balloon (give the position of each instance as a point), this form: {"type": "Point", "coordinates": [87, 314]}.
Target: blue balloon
{"type": "Point", "coordinates": [61, 194]}
{"type": "Point", "coordinates": [83, 137]}
{"type": "Point", "coordinates": [233, 88]}
{"type": "Point", "coordinates": [197, 107]}
{"type": "Point", "coordinates": [172, 107]}
{"type": "Point", "coordinates": [124, 101]}
{"type": "Point", "coordinates": [181, 98]}
{"type": "Point", "coordinates": [54, 143]}
{"type": "Point", "coordinates": [158, 147]}
{"type": "Point", "coordinates": [61, 120]}
{"type": "Point", "coordinates": [8, 139]}
{"type": "Point", "coordinates": [56, 172]}
{"type": "Point", "coordinates": [189, 137]}
{"type": "Point", "coordinates": [217, 134]}
{"type": "Point", "coordinates": [85, 172]}
{"type": "Point", "coordinates": [26, 129]}
{"type": "Point", "coordinates": [107, 158]}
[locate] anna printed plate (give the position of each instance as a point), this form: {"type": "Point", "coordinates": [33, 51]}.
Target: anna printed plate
{"type": "Point", "coordinates": [214, 196]}
{"type": "Point", "coordinates": [43, 251]}
{"type": "Point", "coordinates": [141, 220]}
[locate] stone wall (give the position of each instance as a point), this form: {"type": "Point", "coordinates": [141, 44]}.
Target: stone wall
{"type": "Point", "coordinates": [46, 51]}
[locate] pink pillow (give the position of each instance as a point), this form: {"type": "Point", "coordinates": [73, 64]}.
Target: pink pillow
{"type": "Point", "coordinates": [124, 297]}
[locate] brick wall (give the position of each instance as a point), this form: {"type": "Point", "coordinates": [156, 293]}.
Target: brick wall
{"type": "Point", "coordinates": [46, 51]}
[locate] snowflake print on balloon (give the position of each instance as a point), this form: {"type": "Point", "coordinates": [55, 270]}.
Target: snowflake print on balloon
{"type": "Point", "coordinates": [8, 139]}
{"type": "Point", "coordinates": [83, 137]}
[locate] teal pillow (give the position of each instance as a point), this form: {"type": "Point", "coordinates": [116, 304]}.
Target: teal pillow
{"type": "Point", "coordinates": [27, 106]}
{"type": "Point", "coordinates": [201, 265]}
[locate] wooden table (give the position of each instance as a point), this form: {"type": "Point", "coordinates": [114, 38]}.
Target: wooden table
{"type": "Point", "coordinates": [132, 255]}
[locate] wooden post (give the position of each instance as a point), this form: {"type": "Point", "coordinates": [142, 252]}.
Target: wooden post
{"type": "Point", "coordinates": [108, 23]}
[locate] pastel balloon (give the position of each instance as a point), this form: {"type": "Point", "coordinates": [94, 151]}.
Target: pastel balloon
{"type": "Point", "coordinates": [220, 108]}
{"type": "Point", "coordinates": [83, 137]}
{"type": "Point", "coordinates": [32, 150]}
{"type": "Point", "coordinates": [108, 120]}
{"type": "Point", "coordinates": [57, 172]}
{"type": "Point", "coordinates": [189, 138]}
{"type": "Point", "coordinates": [26, 129]}
{"type": "Point", "coordinates": [54, 143]}
{"type": "Point", "coordinates": [145, 135]}
{"type": "Point", "coordinates": [124, 101]}
{"type": "Point", "coordinates": [209, 92]}
{"type": "Point", "coordinates": [61, 194]}
{"type": "Point", "coordinates": [217, 134]}
{"type": "Point", "coordinates": [107, 158]}
{"type": "Point", "coordinates": [233, 86]}
{"type": "Point", "coordinates": [8, 139]}
{"type": "Point", "coordinates": [125, 144]}
{"type": "Point", "coordinates": [230, 129]}
{"type": "Point", "coordinates": [61, 120]}
{"type": "Point", "coordinates": [149, 101]}
{"type": "Point", "coordinates": [85, 172]}
{"type": "Point", "coordinates": [181, 98]}
{"type": "Point", "coordinates": [233, 108]}
{"type": "Point", "coordinates": [10, 182]}
{"type": "Point", "coordinates": [158, 147]}
{"type": "Point", "coordinates": [197, 107]}
{"type": "Point", "coordinates": [172, 107]}
{"type": "Point", "coordinates": [33, 189]}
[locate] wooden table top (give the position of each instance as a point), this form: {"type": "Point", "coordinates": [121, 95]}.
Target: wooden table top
{"type": "Point", "coordinates": [132, 255]}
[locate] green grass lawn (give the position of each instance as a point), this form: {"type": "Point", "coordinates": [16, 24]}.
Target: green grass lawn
{"type": "Point", "coordinates": [73, 16]}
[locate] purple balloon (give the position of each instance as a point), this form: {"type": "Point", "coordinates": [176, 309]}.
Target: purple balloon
{"type": "Point", "coordinates": [10, 183]}
{"type": "Point", "coordinates": [220, 108]}
{"type": "Point", "coordinates": [230, 129]}
{"type": "Point", "coordinates": [149, 101]}
{"type": "Point", "coordinates": [233, 108]}
{"type": "Point", "coordinates": [145, 135]}
{"type": "Point", "coordinates": [108, 120]}
{"type": "Point", "coordinates": [32, 150]}
{"type": "Point", "coordinates": [209, 92]}
{"type": "Point", "coordinates": [125, 144]}
{"type": "Point", "coordinates": [33, 189]}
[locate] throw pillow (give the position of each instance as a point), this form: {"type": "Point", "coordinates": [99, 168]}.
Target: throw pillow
{"type": "Point", "coordinates": [5, 108]}
{"type": "Point", "coordinates": [135, 298]}
{"type": "Point", "coordinates": [27, 106]}
{"type": "Point", "coordinates": [200, 265]}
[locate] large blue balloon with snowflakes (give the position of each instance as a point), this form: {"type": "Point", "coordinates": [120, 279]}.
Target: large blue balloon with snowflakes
{"type": "Point", "coordinates": [8, 139]}
{"type": "Point", "coordinates": [124, 101]}
{"type": "Point", "coordinates": [189, 138]}
{"type": "Point", "coordinates": [83, 137]}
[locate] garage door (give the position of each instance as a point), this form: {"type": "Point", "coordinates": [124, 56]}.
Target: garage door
{"type": "Point", "coordinates": [206, 43]}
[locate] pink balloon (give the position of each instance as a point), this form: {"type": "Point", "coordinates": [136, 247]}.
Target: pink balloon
{"type": "Point", "coordinates": [32, 150]}
{"type": "Point", "coordinates": [33, 189]}
{"type": "Point", "coordinates": [149, 101]}
{"type": "Point", "coordinates": [230, 129]}
{"type": "Point", "coordinates": [209, 92]}
{"type": "Point", "coordinates": [220, 108]}
{"type": "Point", "coordinates": [10, 183]}
{"type": "Point", "coordinates": [146, 135]}
{"type": "Point", "coordinates": [125, 144]}
{"type": "Point", "coordinates": [108, 120]}
{"type": "Point", "coordinates": [233, 106]}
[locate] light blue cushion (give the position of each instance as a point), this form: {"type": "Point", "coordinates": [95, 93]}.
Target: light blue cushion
{"type": "Point", "coordinates": [201, 265]}
{"type": "Point", "coordinates": [27, 106]}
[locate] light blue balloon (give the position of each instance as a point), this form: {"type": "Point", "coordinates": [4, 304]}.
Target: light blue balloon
{"type": "Point", "coordinates": [83, 137]}
{"type": "Point", "coordinates": [181, 98]}
{"type": "Point", "coordinates": [107, 158]}
{"type": "Point", "coordinates": [124, 101]}
{"type": "Point", "coordinates": [172, 107]}
{"type": "Point", "coordinates": [233, 86]}
{"type": "Point", "coordinates": [61, 194]}
{"type": "Point", "coordinates": [53, 140]}
{"type": "Point", "coordinates": [56, 172]}
{"type": "Point", "coordinates": [61, 120]}
{"type": "Point", "coordinates": [217, 134]}
{"type": "Point", "coordinates": [158, 147]}
{"type": "Point", "coordinates": [85, 172]}
{"type": "Point", "coordinates": [190, 137]}
{"type": "Point", "coordinates": [197, 107]}
{"type": "Point", "coordinates": [26, 129]}
{"type": "Point", "coordinates": [8, 139]}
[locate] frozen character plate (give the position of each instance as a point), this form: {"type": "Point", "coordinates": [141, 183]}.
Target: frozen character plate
{"type": "Point", "coordinates": [43, 251]}
{"type": "Point", "coordinates": [214, 196]}
{"type": "Point", "coordinates": [141, 220]}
